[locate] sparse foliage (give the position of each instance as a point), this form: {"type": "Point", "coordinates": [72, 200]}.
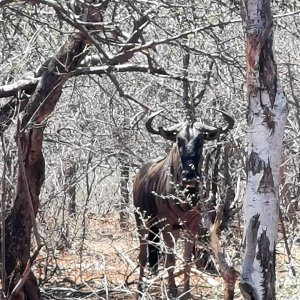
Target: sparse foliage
{"type": "Point", "coordinates": [77, 81]}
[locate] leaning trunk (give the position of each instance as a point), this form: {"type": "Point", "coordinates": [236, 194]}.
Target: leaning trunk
{"type": "Point", "coordinates": [19, 281]}
{"type": "Point", "coordinates": [18, 224]}
{"type": "Point", "coordinates": [267, 114]}
{"type": "Point", "coordinates": [21, 220]}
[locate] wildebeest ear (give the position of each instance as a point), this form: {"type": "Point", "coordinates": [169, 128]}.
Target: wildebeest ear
{"type": "Point", "coordinates": [168, 134]}
{"type": "Point", "coordinates": [209, 136]}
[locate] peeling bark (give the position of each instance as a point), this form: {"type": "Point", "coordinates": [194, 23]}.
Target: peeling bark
{"type": "Point", "coordinates": [267, 112]}
{"type": "Point", "coordinates": [255, 164]}
{"type": "Point", "coordinates": [246, 285]}
{"type": "Point", "coordinates": [266, 255]}
{"type": "Point", "coordinates": [266, 184]}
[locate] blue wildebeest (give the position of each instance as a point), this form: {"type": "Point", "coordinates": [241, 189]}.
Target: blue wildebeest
{"type": "Point", "coordinates": [165, 194]}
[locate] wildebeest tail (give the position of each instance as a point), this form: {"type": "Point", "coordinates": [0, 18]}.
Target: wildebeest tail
{"type": "Point", "coordinates": [153, 248]}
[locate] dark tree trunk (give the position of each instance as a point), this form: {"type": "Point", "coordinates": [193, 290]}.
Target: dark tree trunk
{"type": "Point", "coordinates": [20, 221]}
{"type": "Point", "coordinates": [124, 194]}
{"type": "Point", "coordinates": [124, 161]}
{"type": "Point", "coordinates": [71, 191]}
{"type": "Point", "coordinates": [187, 101]}
{"type": "Point", "coordinates": [229, 190]}
{"type": "Point", "coordinates": [70, 174]}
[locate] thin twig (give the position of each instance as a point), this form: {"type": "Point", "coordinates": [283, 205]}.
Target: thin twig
{"type": "Point", "coordinates": [288, 251]}
{"type": "Point", "coordinates": [25, 274]}
{"type": "Point", "coordinates": [3, 194]}
{"type": "Point", "coordinates": [229, 274]}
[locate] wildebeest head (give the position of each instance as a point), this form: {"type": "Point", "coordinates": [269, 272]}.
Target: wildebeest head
{"type": "Point", "coordinates": [189, 141]}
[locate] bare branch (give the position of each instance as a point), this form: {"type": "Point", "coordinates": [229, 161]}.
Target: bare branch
{"type": "Point", "coordinates": [25, 274]}
{"type": "Point", "coordinates": [28, 86]}
{"type": "Point", "coordinates": [199, 96]}
{"type": "Point", "coordinates": [228, 273]}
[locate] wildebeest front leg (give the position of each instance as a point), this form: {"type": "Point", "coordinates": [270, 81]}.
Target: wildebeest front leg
{"type": "Point", "coordinates": [170, 238]}
{"type": "Point", "coordinates": [188, 250]}
{"type": "Point", "coordinates": [143, 234]}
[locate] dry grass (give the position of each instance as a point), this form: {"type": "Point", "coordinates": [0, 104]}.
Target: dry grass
{"type": "Point", "coordinates": [107, 269]}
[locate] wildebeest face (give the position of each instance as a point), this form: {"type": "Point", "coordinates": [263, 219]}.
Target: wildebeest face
{"type": "Point", "coordinates": [189, 141]}
{"type": "Point", "coordinates": [190, 145]}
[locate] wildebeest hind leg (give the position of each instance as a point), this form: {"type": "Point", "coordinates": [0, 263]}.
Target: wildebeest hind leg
{"type": "Point", "coordinates": [170, 238]}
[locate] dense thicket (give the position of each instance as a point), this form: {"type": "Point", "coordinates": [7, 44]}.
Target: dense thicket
{"type": "Point", "coordinates": [133, 66]}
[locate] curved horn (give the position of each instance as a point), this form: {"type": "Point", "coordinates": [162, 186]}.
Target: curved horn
{"type": "Point", "coordinates": [148, 123]}
{"type": "Point", "coordinates": [167, 134]}
{"type": "Point", "coordinates": [213, 133]}
{"type": "Point", "coordinates": [228, 119]}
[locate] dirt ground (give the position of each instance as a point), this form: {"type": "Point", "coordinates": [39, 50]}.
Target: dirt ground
{"type": "Point", "coordinates": [104, 266]}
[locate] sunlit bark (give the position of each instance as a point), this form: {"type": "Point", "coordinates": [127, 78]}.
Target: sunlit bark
{"type": "Point", "coordinates": [267, 112]}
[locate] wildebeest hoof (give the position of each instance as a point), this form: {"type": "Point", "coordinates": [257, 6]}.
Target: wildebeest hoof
{"type": "Point", "coordinates": [154, 270]}
{"type": "Point", "coordinates": [172, 291]}
{"type": "Point", "coordinates": [140, 290]}
{"type": "Point", "coordinates": [186, 296]}
{"type": "Point", "coordinates": [139, 294]}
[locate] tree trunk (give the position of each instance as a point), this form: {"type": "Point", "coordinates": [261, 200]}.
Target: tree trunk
{"type": "Point", "coordinates": [267, 114]}
{"type": "Point", "coordinates": [124, 217]}
{"type": "Point", "coordinates": [124, 160]}
{"type": "Point", "coordinates": [70, 173]}
{"type": "Point", "coordinates": [229, 192]}
{"type": "Point", "coordinates": [188, 103]}
{"type": "Point", "coordinates": [37, 109]}
{"type": "Point", "coordinates": [32, 168]}
{"type": "Point", "coordinates": [18, 224]}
